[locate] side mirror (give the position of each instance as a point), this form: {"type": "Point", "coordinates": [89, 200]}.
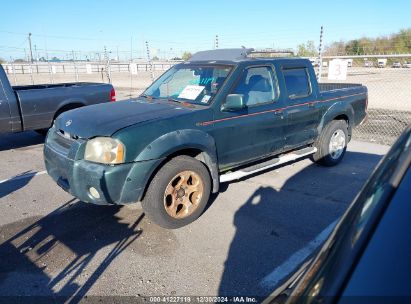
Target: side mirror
{"type": "Point", "coordinates": [233, 102]}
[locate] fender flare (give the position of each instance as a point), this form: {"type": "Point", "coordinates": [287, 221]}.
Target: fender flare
{"type": "Point", "coordinates": [171, 143]}
{"type": "Point", "coordinates": [335, 110]}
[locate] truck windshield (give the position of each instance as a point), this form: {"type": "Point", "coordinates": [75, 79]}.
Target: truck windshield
{"type": "Point", "coordinates": [189, 83]}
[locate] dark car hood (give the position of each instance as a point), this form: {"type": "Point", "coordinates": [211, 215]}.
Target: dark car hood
{"type": "Point", "coordinates": [107, 118]}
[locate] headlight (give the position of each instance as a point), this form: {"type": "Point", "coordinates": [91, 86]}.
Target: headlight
{"type": "Point", "coordinates": [105, 150]}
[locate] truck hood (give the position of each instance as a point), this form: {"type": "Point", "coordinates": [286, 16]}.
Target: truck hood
{"type": "Point", "coordinates": [107, 118]}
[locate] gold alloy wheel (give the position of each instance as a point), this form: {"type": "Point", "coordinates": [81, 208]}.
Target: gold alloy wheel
{"type": "Point", "coordinates": [183, 194]}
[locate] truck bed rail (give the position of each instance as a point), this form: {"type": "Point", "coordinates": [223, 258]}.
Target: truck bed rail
{"type": "Point", "coordinates": [336, 86]}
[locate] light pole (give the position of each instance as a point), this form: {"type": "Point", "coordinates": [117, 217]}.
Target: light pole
{"type": "Point", "coordinates": [31, 52]}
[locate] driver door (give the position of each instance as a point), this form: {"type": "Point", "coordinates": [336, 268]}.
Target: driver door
{"type": "Point", "coordinates": [257, 130]}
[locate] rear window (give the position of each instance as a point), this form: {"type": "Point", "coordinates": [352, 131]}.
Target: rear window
{"type": "Point", "coordinates": [296, 82]}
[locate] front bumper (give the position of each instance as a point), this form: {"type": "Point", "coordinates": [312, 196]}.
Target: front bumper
{"type": "Point", "coordinates": [118, 184]}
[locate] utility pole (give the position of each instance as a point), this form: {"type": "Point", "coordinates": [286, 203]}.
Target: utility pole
{"type": "Point", "coordinates": [108, 68]}
{"type": "Point", "coordinates": [320, 55]}
{"type": "Point", "coordinates": [131, 49]}
{"type": "Point", "coordinates": [130, 65]}
{"type": "Point", "coordinates": [75, 66]}
{"type": "Point", "coordinates": [35, 53]}
{"type": "Point", "coordinates": [31, 52]}
{"type": "Point", "coordinates": [149, 61]}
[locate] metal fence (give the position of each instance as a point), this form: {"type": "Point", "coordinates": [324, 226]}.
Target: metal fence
{"type": "Point", "coordinates": [80, 67]}
{"type": "Point", "coordinates": [129, 78]}
{"type": "Point", "coordinates": [389, 94]}
{"type": "Point", "coordinates": [389, 103]}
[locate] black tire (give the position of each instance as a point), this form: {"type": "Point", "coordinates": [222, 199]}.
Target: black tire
{"type": "Point", "coordinates": [324, 156]}
{"type": "Point", "coordinates": [155, 200]}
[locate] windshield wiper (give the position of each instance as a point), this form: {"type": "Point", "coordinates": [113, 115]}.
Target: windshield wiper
{"type": "Point", "coordinates": [173, 99]}
{"type": "Point", "coordinates": [150, 97]}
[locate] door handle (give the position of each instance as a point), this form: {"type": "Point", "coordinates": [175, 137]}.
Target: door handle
{"type": "Point", "coordinates": [279, 112]}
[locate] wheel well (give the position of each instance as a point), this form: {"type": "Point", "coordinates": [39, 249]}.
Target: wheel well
{"type": "Point", "coordinates": [67, 107]}
{"type": "Point", "coordinates": [195, 153]}
{"type": "Point", "coordinates": [347, 120]}
{"type": "Point", "coordinates": [342, 117]}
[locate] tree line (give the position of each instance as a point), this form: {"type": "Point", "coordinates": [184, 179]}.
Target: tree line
{"type": "Point", "coordinates": [397, 43]}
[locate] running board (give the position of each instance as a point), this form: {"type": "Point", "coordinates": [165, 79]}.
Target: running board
{"type": "Point", "coordinates": [285, 158]}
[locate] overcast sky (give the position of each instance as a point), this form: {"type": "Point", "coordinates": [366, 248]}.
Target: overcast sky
{"type": "Point", "coordinates": [171, 27]}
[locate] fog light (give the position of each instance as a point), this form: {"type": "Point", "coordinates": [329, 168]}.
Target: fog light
{"type": "Point", "coordinates": [94, 193]}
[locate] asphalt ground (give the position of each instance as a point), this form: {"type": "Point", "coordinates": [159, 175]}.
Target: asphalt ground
{"type": "Point", "coordinates": [254, 233]}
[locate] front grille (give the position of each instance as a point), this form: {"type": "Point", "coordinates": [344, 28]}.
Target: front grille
{"type": "Point", "coordinates": [63, 144]}
{"type": "Point", "coordinates": [64, 141]}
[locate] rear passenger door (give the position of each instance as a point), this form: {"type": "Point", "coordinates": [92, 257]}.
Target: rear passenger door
{"type": "Point", "coordinates": [302, 110]}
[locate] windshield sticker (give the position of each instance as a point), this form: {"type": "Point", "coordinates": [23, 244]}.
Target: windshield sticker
{"type": "Point", "coordinates": [205, 99]}
{"type": "Point", "coordinates": [203, 81]}
{"type": "Point", "coordinates": [191, 92]}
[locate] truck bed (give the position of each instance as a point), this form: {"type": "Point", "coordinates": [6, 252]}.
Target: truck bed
{"type": "Point", "coordinates": [34, 107]}
{"type": "Point", "coordinates": [40, 103]}
{"type": "Point", "coordinates": [353, 93]}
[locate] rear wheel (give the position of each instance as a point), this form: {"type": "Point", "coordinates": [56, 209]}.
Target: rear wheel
{"type": "Point", "coordinates": [332, 143]}
{"type": "Point", "coordinates": [178, 193]}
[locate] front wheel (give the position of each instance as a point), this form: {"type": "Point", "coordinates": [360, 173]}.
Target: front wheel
{"type": "Point", "coordinates": [178, 193]}
{"type": "Point", "coordinates": [332, 143]}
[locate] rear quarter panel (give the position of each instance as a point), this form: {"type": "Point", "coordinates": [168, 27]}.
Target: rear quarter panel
{"type": "Point", "coordinates": [350, 102]}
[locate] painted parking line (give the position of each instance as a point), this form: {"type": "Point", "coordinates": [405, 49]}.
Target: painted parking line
{"type": "Point", "coordinates": [285, 269]}
{"type": "Point", "coordinates": [23, 176]}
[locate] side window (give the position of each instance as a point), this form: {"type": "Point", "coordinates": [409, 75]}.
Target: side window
{"type": "Point", "coordinates": [257, 86]}
{"type": "Point", "coordinates": [297, 82]}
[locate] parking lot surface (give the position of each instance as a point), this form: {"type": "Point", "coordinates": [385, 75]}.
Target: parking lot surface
{"type": "Point", "coordinates": [253, 234]}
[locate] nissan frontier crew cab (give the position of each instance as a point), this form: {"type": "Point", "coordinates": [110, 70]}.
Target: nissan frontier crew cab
{"type": "Point", "coordinates": [218, 117]}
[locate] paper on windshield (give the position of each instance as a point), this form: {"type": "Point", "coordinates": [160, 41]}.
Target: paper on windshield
{"type": "Point", "coordinates": [191, 92]}
{"type": "Point", "coordinates": [205, 99]}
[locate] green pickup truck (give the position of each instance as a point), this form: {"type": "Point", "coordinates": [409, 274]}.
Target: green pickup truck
{"type": "Point", "coordinates": [218, 117]}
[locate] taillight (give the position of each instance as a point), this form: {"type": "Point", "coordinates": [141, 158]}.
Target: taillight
{"type": "Point", "coordinates": [113, 95]}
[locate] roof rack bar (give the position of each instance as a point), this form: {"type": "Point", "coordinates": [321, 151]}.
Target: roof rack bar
{"type": "Point", "coordinates": [221, 54]}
